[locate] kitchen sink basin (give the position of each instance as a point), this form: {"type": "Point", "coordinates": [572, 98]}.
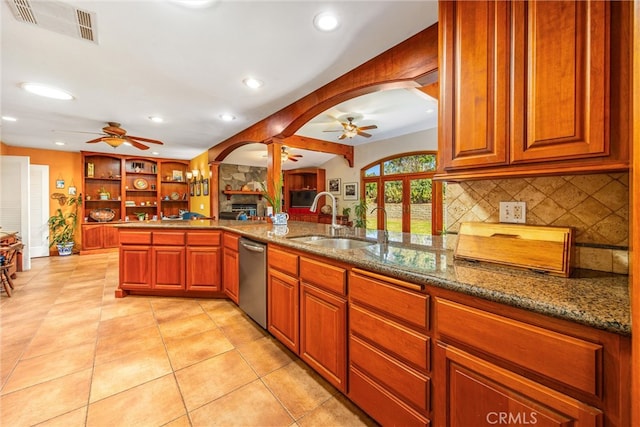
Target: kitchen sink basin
{"type": "Point", "coordinates": [333, 242]}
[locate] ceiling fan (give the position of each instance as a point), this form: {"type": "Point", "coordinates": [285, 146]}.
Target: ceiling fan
{"type": "Point", "coordinates": [350, 129]}
{"type": "Point", "coordinates": [115, 136]}
{"type": "Point", "coordinates": [288, 156]}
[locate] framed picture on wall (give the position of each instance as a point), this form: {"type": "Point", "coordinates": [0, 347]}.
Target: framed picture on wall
{"type": "Point", "coordinates": [350, 191]}
{"type": "Point", "coordinates": [333, 185]}
{"type": "Point", "coordinates": [60, 183]}
{"type": "Point", "coordinates": [198, 188]}
{"type": "Point", "coordinates": [205, 187]}
{"type": "Point", "coordinates": [192, 189]}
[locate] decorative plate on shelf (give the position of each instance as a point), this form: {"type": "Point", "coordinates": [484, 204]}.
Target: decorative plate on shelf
{"type": "Point", "coordinates": [140, 184]}
{"type": "Point", "coordinates": [175, 196]}
{"type": "Point", "coordinates": [102, 215]}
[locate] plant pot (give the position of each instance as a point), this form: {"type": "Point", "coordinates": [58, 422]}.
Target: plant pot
{"type": "Point", "coordinates": [104, 196]}
{"type": "Point", "coordinates": [65, 249]}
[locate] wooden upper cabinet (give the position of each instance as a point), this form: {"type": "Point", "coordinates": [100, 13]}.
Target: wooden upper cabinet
{"type": "Point", "coordinates": [561, 105]}
{"type": "Point", "coordinates": [533, 88]}
{"type": "Point", "coordinates": [474, 36]}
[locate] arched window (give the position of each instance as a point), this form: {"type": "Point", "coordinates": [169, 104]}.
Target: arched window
{"type": "Point", "coordinates": [403, 185]}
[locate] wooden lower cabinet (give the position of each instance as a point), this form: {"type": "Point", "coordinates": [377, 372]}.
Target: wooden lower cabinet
{"type": "Point", "coordinates": [389, 349]}
{"type": "Point", "coordinates": [475, 392]}
{"type": "Point", "coordinates": [282, 308]}
{"type": "Point", "coordinates": [323, 340]}
{"type": "Point", "coordinates": [97, 237]}
{"type": "Point", "coordinates": [170, 262]}
{"type": "Point", "coordinates": [203, 268]}
{"type": "Point", "coordinates": [230, 266]}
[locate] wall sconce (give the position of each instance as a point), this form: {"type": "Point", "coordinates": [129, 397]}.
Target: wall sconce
{"type": "Point", "coordinates": [189, 175]}
{"type": "Point", "coordinates": [195, 173]}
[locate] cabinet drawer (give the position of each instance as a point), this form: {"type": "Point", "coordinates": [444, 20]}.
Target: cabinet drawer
{"type": "Point", "coordinates": [572, 361]}
{"type": "Point", "coordinates": [282, 261]}
{"type": "Point", "coordinates": [323, 275]}
{"type": "Point", "coordinates": [168, 238]}
{"type": "Point", "coordinates": [135, 237]}
{"type": "Point", "coordinates": [230, 241]}
{"type": "Point", "coordinates": [406, 344]}
{"type": "Point", "coordinates": [412, 386]}
{"type": "Point", "coordinates": [411, 307]}
{"type": "Point", "coordinates": [203, 238]}
{"type": "Point", "coordinates": [380, 404]}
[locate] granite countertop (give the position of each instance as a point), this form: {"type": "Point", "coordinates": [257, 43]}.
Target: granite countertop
{"type": "Point", "coordinates": [596, 299]}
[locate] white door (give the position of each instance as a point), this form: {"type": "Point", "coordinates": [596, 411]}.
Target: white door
{"type": "Point", "coordinates": [14, 200]}
{"type": "Point", "coordinates": [39, 198]}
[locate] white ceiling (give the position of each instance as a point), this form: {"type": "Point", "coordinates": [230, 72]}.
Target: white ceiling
{"type": "Point", "coordinates": [187, 66]}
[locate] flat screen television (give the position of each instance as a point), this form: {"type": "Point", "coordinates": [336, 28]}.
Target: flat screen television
{"type": "Point", "coordinates": [302, 198]}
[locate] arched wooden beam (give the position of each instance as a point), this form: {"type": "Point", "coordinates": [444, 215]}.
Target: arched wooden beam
{"type": "Point", "coordinates": [312, 144]}
{"type": "Point", "coordinates": [409, 64]}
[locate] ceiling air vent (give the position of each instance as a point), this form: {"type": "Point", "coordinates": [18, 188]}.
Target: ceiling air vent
{"type": "Point", "coordinates": [56, 16]}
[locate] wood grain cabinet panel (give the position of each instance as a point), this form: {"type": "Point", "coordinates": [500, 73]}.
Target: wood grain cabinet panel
{"type": "Point", "coordinates": [135, 267]}
{"type": "Point", "coordinates": [478, 393]}
{"type": "Point", "coordinates": [323, 334]}
{"type": "Point", "coordinates": [283, 292]}
{"type": "Point", "coordinates": [168, 267]}
{"type": "Point", "coordinates": [527, 89]}
{"type": "Point", "coordinates": [230, 266]}
{"type": "Point", "coordinates": [203, 268]}
{"type": "Point", "coordinates": [92, 237]}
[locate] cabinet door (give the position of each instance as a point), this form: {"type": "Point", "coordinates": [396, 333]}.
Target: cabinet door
{"type": "Point", "coordinates": [474, 392]}
{"type": "Point", "coordinates": [560, 98]}
{"type": "Point", "coordinates": [203, 268]}
{"type": "Point", "coordinates": [323, 334]}
{"type": "Point", "coordinates": [474, 58]}
{"type": "Point", "coordinates": [111, 237]}
{"type": "Point", "coordinates": [135, 263]}
{"type": "Point", "coordinates": [92, 236]}
{"type": "Point", "coordinates": [282, 312]}
{"type": "Point", "coordinates": [230, 273]}
{"type": "Point", "coordinates": [168, 267]}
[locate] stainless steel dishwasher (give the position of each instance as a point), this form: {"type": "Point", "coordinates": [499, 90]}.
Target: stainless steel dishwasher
{"type": "Point", "coordinates": [253, 280]}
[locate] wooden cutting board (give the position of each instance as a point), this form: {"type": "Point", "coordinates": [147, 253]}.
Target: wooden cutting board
{"type": "Point", "coordinates": [542, 249]}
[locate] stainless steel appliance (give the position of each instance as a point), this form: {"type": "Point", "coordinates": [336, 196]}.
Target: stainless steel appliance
{"type": "Point", "coordinates": [253, 280]}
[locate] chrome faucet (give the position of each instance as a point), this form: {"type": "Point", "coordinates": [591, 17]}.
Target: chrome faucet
{"type": "Point", "coordinates": [314, 207]}
{"type": "Point", "coordinates": [386, 233]}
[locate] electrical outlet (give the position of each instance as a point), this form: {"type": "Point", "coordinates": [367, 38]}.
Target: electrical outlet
{"type": "Point", "coordinates": [515, 212]}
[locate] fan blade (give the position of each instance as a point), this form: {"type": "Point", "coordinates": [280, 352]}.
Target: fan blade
{"type": "Point", "coordinates": [114, 130]}
{"type": "Point", "coordinates": [136, 143]}
{"type": "Point", "coordinates": [366, 135]}
{"type": "Point", "coordinates": [337, 130]}
{"type": "Point", "coordinates": [292, 159]}
{"type": "Point", "coordinates": [368, 127]}
{"type": "Point", "coordinates": [79, 131]}
{"type": "Point", "coordinates": [296, 155]}
{"type": "Point", "coordinates": [95, 140]}
{"type": "Point", "coordinates": [153, 141]}
{"type": "Point", "coordinates": [343, 136]}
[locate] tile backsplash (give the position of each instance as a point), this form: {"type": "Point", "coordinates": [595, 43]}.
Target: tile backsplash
{"type": "Point", "coordinates": [596, 206]}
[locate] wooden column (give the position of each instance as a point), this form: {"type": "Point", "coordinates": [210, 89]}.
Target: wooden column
{"type": "Point", "coordinates": [274, 164]}
{"type": "Point", "coordinates": [214, 190]}
{"type": "Point", "coordinates": [635, 220]}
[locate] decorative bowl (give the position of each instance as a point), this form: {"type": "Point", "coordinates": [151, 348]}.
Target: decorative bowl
{"type": "Point", "coordinates": [102, 215]}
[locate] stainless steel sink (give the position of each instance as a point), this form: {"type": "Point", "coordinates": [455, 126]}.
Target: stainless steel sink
{"type": "Point", "coordinates": [333, 242]}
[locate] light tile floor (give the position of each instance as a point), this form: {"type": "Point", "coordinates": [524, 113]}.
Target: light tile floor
{"type": "Point", "coordinates": [74, 355]}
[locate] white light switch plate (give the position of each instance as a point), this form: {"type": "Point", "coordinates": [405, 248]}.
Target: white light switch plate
{"type": "Point", "coordinates": [514, 212]}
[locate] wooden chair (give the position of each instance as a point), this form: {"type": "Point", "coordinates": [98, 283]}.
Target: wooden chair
{"type": "Point", "coordinates": [9, 253]}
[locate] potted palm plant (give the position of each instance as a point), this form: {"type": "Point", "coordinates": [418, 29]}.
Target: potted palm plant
{"type": "Point", "coordinates": [275, 199]}
{"type": "Point", "coordinates": [63, 226]}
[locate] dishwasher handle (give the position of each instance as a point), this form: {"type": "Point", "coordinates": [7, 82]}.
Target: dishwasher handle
{"type": "Point", "coordinates": [252, 248]}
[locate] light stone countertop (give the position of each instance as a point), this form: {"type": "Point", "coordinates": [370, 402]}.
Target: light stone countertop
{"type": "Point", "coordinates": [596, 299]}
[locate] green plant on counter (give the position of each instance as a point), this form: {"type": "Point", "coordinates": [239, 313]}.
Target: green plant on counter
{"type": "Point", "coordinates": [360, 210]}
{"type": "Point", "coordinates": [346, 212]}
{"type": "Point", "coordinates": [275, 200]}
{"type": "Point", "coordinates": [62, 226]}
{"type": "Point", "coordinates": [140, 215]}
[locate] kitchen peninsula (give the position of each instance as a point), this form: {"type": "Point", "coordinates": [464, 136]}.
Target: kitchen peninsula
{"type": "Point", "coordinates": [405, 326]}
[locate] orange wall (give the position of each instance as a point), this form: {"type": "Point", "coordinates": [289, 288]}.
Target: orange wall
{"type": "Point", "coordinates": [201, 163]}
{"type": "Point", "coordinates": [62, 165]}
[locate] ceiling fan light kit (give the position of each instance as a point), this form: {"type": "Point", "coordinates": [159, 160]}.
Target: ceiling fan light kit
{"type": "Point", "coordinates": [350, 129]}
{"type": "Point", "coordinates": [115, 136]}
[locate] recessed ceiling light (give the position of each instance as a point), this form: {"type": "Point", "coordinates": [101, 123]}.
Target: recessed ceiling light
{"type": "Point", "coordinates": [227, 117]}
{"type": "Point", "coordinates": [156, 119]}
{"type": "Point", "coordinates": [9, 119]}
{"type": "Point", "coordinates": [253, 83]}
{"type": "Point", "coordinates": [47, 91]}
{"type": "Point", "coordinates": [195, 4]}
{"type": "Point", "coordinates": [155, 153]}
{"type": "Point", "coordinates": [325, 21]}
{"type": "Point", "coordinates": [59, 143]}
{"type": "Point", "coordinates": [430, 110]}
